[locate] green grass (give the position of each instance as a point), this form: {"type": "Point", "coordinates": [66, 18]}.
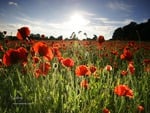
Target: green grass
{"type": "Point", "coordinates": [60, 91]}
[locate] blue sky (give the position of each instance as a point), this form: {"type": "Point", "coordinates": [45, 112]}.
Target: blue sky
{"type": "Point", "coordinates": [62, 17]}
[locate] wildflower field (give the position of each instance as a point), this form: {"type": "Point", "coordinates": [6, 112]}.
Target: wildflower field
{"type": "Point", "coordinates": [74, 76]}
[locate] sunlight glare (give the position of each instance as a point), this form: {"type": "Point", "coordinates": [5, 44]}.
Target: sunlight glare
{"type": "Point", "coordinates": [78, 20]}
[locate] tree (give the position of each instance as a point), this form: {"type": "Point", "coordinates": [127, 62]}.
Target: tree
{"type": "Point", "coordinates": [94, 37]}
{"type": "Point", "coordinates": [1, 36]}
{"type": "Point", "coordinates": [133, 31]}
{"type": "Point", "coordinates": [51, 38]}
{"type": "Point", "coordinates": [60, 37]}
{"type": "Point", "coordinates": [73, 36]}
{"type": "Point", "coordinates": [118, 34]}
{"type": "Point", "coordinates": [35, 36]}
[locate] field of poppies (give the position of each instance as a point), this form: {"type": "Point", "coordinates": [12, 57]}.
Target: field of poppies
{"type": "Point", "coordinates": [74, 76]}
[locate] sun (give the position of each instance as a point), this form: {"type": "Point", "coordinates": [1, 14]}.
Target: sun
{"type": "Point", "coordinates": [78, 20]}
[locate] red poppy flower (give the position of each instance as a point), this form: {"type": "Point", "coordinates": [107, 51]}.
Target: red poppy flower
{"type": "Point", "coordinates": [108, 67]}
{"type": "Point", "coordinates": [131, 43]}
{"type": "Point", "coordinates": [43, 69]}
{"type": "Point", "coordinates": [56, 52]}
{"type": "Point", "coordinates": [92, 69]}
{"type": "Point", "coordinates": [82, 70]}
{"type": "Point", "coordinates": [1, 48]}
{"type": "Point", "coordinates": [131, 68]}
{"type": "Point", "coordinates": [42, 49]}
{"type": "Point", "coordinates": [146, 61]}
{"type": "Point", "coordinates": [114, 52]}
{"type": "Point", "coordinates": [140, 108]}
{"type": "Point", "coordinates": [56, 45]}
{"type": "Point", "coordinates": [124, 72]}
{"type": "Point", "coordinates": [14, 56]}
{"type": "Point", "coordinates": [1, 63]}
{"type": "Point", "coordinates": [101, 39]}
{"type": "Point", "coordinates": [23, 33]}
{"type": "Point", "coordinates": [42, 36]}
{"type": "Point", "coordinates": [84, 84]}
{"type": "Point", "coordinates": [60, 59]}
{"type": "Point", "coordinates": [23, 53]}
{"type": "Point", "coordinates": [68, 62]}
{"type": "Point", "coordinates": [122, 57]}
{"type": "Point", "coordinates": [105, 110]}
{"type": "Point", "coordinates": [127, 55]}
{"type": "Point", "coordinates": [35, 59]}
{"type": "Point", "coordinates": [123, 90]}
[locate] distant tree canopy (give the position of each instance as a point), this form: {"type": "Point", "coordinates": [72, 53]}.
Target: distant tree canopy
{"type": "Point", "coordinates": [133, 31]}
{"type": "Point", "coordinates": [43, 37]}
{"type": "Point", "coordinates": [1, 36]}
{"type": "Point", "coordinates": [38, 36]}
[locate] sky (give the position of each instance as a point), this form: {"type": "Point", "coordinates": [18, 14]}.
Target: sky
{"type": "Point", "coordinates": [62, 17]}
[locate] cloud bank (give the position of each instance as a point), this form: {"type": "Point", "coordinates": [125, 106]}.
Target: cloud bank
{"type": "Point", "coordinates": [12, 3]}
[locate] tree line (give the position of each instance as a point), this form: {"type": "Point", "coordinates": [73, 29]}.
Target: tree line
{"type": "Point", "coordinates": [43, 37]}
{"type": "Point", "coordinates": [133, 31]}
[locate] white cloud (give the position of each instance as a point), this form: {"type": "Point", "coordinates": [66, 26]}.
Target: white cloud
{"type": "Point", "coordinates": [10, 28]}
{"type": "Point", "coordinates": [12, 3]}
{"type": "Point", "coordinates": [108, 22]}
{"type": "Point", "coordinates": [85, 13]}
{"type": "Point", "coordinates": [119, 5]}
{"type": "Point", "coordinates": [143, 20]}
{"type": "Point", "coordinates": [28, 21]}
{"type": "Point", "coordinates": [42, 27]}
